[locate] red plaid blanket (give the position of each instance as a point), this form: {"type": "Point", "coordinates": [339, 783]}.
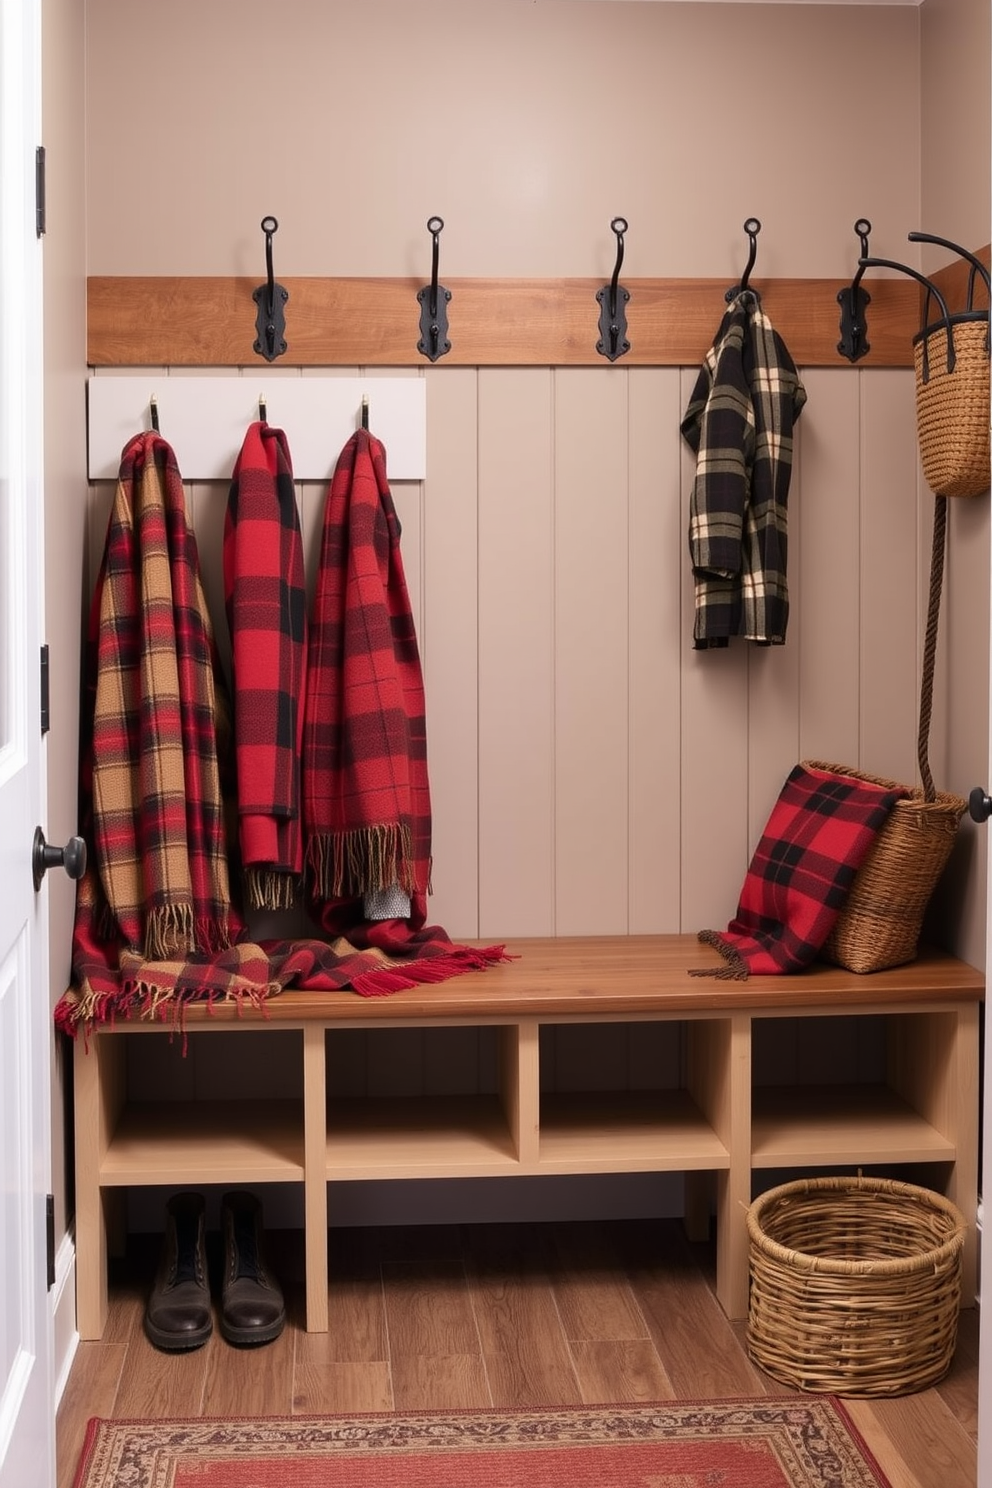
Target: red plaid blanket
{"type": "Point", "coordinates": [365, 789]}
{"type": "Point", "coordinates": [816, 838]}
{"type": "Point", "coordinates": [265, 598]}
{"type": "Point", "coordinates": [366, 793]}
{"type": "Point", "coordinates": [154, 920]}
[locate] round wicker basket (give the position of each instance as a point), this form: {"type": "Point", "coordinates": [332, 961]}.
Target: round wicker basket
{"type": "Point", "coordinates": [855, 1285]}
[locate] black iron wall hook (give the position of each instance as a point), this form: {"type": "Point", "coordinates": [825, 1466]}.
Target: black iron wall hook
{"type": "Point", "coordinates": [854, 302]}
{"type": "Point", "coordinates": [752, 227]}
{"type": "Point", "coordinates": [612, 299]}
{"type": "Point", "coordinates": [270, 297]}
{"type": "Point", "coordinates": [433, 300]}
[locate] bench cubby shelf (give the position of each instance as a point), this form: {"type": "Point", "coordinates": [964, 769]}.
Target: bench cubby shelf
{"type": "Point", "coordinates": [682, 1087]}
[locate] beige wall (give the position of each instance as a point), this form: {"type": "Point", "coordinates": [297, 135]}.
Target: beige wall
{"type": "Point", "coordinates": [526, 124]}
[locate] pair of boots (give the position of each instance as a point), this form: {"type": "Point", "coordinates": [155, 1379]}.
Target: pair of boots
{"type": "Point", "coordinates": [178, 1313]}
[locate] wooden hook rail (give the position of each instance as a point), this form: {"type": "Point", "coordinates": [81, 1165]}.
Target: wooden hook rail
{"type": "Point", "coordinates": [365, 322]}
{"type": "Point", "coordinates": [132, 322]}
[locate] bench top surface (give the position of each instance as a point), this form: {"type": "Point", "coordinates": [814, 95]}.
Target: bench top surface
{"type": "Point", "coordinates": [600, 976]}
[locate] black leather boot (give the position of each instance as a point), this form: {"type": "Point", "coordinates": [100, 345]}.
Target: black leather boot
{"type": "Point", "coordinates": [252, 1308]}
{"type": "Point", "coordinates": [177, 1314]}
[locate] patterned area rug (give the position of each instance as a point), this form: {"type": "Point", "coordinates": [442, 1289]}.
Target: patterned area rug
{"type": "Point", "coordinates": [794, 1443]}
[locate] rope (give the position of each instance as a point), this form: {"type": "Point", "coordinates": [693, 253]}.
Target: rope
{"type": "Point", "coordinates": [930, 644]}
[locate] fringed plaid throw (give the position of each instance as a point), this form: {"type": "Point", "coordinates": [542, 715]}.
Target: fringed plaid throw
{"type": "Point", "coordinates": [154, 921]}
{"type": "Point", "coordinates": [816, 838]}
{"type": "Point", "coordinates": [366, 793]}
{"type": "Point", "coordinates": [265, 598]}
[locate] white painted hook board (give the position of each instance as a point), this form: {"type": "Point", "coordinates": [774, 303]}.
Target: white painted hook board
{"type": "Point", "coordinates": [205, 418]}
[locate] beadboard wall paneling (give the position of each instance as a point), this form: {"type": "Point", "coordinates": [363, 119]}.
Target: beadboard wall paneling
{"type": "Point", "coordinates": [590, 771]}
{"type": "Point", "coordinates": [516, 659]}
{"type": "Point", "coordinates": [451, 639]}
{"type": "Point", "coordinates": [893, 596]}
{"type": "Point", "coordinates": [591, 653]}
{"type": "Point", "coordinates": [826, 567]}
{"type": "Point", "coordinates": [656, 554]}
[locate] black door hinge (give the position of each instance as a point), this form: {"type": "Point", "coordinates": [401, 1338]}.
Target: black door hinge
{"type": "Point", "coordinates": [50, 1237]}
{"type": "Point", "coordinates": [45, 691]}
{"type": "Point", "coordinates": [39, 191]}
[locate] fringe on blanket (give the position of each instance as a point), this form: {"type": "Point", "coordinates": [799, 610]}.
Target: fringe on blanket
{"type": "Point", "coordinates": [384, 980]}
{"type": "Point", "coordinates": [734, 968]}
{"type": "Point", "coordinates": [268, 888]}
{"type": "Point", "coordinates": [348, 865]}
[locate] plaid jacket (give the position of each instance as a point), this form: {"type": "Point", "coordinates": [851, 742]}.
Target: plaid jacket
{"type": "Point", "coordinates": [740, 423]}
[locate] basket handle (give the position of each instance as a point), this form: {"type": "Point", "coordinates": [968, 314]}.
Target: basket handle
{"type": "Point", "coordinates": [931, 289]}
{"type": "Point", "coordinates": [977, 267]}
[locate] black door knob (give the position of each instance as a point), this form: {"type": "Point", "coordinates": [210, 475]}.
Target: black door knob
{"type": "Point", "coordinates": [72, 857]}
{"type": "Point", "coordinates": [979, 805]}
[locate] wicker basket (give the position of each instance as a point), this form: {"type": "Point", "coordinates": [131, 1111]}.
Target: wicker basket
{"type": "Point", "coordinates": [855, 1285]}
{"type": "Point", "coordinates": [951, 357]}
{"type": "Point", "coordinates": [952, 404]}
{"type": "Point", "coordinates": [880, 923]}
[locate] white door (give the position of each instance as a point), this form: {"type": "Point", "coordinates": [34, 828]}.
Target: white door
{"type": "Point", "coordinates": [26, 1348]}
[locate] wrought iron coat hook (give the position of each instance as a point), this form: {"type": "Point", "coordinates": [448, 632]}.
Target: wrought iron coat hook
{"type": "Point", "coordinates": [612, 298]}
{"type": "Point", "coordinates": [931, 289]}
{"type": "Point", "coordinates": [153, 411]}
{"type": "Point", "coordinates": [270, 297]}
{"type": "Point", "coordinates": [433, 300]}
{"type": "Point", "coordinates": [752, 227]}
{"type": "Point", "coordinates": [853, 303]}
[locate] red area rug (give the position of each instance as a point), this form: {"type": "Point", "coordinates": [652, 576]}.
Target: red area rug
{"type": "Point", "coordinates": [794, 1443]}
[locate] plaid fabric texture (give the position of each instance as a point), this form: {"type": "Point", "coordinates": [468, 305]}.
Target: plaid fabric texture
{"type": "Point", "coordinates": [158, 747]}
{"type": "Point", "coordinates": [366, 793]}
{"type": "Point", "coordinates": [154, 902]}
{"type": "Point", "coordinates": [739, 422]}
{"type": "Point", "coordinates": [816, 838]}
{"type": "Point", "coordinates": [265, 599]}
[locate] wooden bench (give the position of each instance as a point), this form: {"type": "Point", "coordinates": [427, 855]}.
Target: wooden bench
{"type": "Point", "coordinates": [708, 1116]}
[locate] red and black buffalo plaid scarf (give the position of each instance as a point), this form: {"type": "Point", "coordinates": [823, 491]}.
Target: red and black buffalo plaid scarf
{"type": "Point", "coordinates": [366, 795]}
{"type": "Point", "coordinates": [265, 598]}
{"type": "Point", "coordinates": [818, 835]}
{"type": "Point", "coordinates": [154, 925]}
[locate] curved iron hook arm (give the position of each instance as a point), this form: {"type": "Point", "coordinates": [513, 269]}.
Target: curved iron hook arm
{"type": "Point", "coordinates": [931, 288]}
{"type": "Point", "coordinates": [612, 298]}
{"type": "Point", "coordinates": [752, 227]}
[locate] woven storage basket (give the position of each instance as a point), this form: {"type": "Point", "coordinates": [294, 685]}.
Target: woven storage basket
{"type": "Point", "coordinates": [855, 1285]}
{"type": "Point", "coordinates": [951, 357]}
{"type": "Point", "coordinates": [952, 404]}
{"type": "Point", "coordinates": [880, 923]}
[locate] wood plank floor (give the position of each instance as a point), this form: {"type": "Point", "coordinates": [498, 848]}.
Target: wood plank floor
{"type": "Point", "coordinates": [477, 1316]}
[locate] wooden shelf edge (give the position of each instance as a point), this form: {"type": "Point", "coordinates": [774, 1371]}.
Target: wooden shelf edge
{"type": "Point", "coordinates": [136, 321]}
